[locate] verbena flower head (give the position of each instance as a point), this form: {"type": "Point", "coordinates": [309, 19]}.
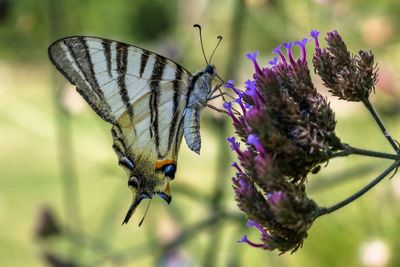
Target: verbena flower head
{"type": "Point", "coordinates": [287, 130]}
{"type": "Point", "coordinates": [348, 77]}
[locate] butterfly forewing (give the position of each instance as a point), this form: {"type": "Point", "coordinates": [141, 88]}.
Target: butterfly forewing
{"type": "Point", "coordinates": [113, 72]}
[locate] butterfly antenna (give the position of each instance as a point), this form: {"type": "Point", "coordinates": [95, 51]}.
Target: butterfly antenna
{"type": "Point", "coordinates": [201, 41]}
{"type": "Point", "coordinates": [219, 37]}
{"type": "Point", "coordinates": [144, 216]}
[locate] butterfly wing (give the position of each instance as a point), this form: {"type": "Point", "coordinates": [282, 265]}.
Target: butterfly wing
{"type": "Point", "coordinates": [111, 75]}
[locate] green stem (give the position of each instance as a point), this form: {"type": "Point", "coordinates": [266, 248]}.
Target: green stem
{"type": "Point", "coordinates": [349, 150]}
{"type": "Point", "coordinates": [64, 139]}
{"type": "Point", "coordinates": [370, 108]}
{"type": "Point", "coordinates": [361, 192]}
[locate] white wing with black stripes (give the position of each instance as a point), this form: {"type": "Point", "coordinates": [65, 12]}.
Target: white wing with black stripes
{"type": "Point", "coordinates": [150, 100]}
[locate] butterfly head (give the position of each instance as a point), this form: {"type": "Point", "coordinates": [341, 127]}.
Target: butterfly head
{"type": "Point", "coordinates": [210, 72]}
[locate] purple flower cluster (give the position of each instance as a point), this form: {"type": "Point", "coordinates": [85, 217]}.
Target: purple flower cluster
{"type": "Point", "coordinates": [287, 129]}
{"type": "Point", "coordinates": [348, 77]}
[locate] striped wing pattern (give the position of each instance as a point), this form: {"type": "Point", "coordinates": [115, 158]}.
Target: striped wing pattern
{"type": "Point", "coordinates": [130, 87]}
{"type": "Point", "coordinates": [150, 100]}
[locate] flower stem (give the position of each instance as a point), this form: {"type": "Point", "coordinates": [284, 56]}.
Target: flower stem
{"type": "Point", "coordinates": [370, 108]}
{"type": "Point", "coordinates": [324, 210]}
{"type": "Point", "coordinates": [348, 150]}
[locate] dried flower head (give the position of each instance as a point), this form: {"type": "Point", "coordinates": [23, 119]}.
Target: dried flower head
{"type": "Point", "coordinates": [348, 77]}
{"type": "Point", "coordinates": [288, 131]}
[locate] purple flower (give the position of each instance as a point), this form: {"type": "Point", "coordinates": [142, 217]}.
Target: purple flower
{"type": "Point", "coordinates": [244, 239]}
{"type": "Point", "coordinates": [236, 166]}
{"type": "Point", "coordinates": [253, 57]}
{"type": "Point", "coordinates": [288, 47]}
{"type": "Point", "coordinates": [314, 35]}
{"type": "Point", "coordinates": [273, 62]}
{"type": "Point", "coordinates": [278, 51]}
{"type": "Point", "coordinates": [280, 113]}
{"type": "Point", "coordinates": [255, 245]}
{"type": "Point", "coordinates": [235, 146]}
{"type": "Point", "coordinates": [239, 101]}
{"type": "Point", "coordinates": [230, 84]}
{"type": "Point", "coordinates": [302, 45]}
{"type": "Point", "coordinates": [255, 141]}
{"type": "Point", "coordinates": [228, 107]}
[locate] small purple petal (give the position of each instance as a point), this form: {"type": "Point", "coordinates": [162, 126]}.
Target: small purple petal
{"type": "Point", "coordinates": [236, 166]}
{"type": "Point", "coordinates": [302, 45]}
{"type": "Point", "coordinates": [253, 57]}
{"type": "Point", "coordinates": [250, 85]}
{"type": "Point", "coordinates": [235, 146]}
{"type": "Point", "coordinates": [314, 35]}
{"type": "Point", "coordinates": [241, 186]}
{"type": "Point", "coordinates": [239, 100]}
{"type": "Point", "coordinates": [230, 84]}
{"type": "Point", "coordinates": [253, 92]}
{"type": "Point", "coordinates": [251, 89]}
{"type": "Point", "coordinates": [273, 62]}
{"type": "Point", "coordinates": [246, 240]}
{"type": "Point", "coordinates": [255, 141]}
{"type": "Point", "coordinates": [288, 47]}
{"type": "Point", "coordinates": [278, 51]}
{"type": "Point", "coordinates": [227, 106]}
{"type": "Point", "coordinates": [251, 223]}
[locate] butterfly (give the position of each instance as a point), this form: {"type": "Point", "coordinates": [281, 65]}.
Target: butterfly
{"type": "Point", "coordinates": [150, 101]}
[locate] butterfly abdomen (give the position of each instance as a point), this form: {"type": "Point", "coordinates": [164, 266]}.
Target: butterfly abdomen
{"type": "Point", "coordinates": [191, 129]}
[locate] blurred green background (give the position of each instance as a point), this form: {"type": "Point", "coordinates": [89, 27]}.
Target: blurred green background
{"type": "Point", "coordinates": [56, 159]}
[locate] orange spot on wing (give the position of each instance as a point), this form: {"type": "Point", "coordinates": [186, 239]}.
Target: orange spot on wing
{"type": "Point", "coordinates": [161, 163]}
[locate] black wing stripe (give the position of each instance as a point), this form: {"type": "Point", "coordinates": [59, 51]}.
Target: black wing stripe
{"type": "Point", "coordinates": [143, 62]}
{"type": "Point", "coordinates": [107, 54]}
{"type": "Point", "coordinates": [80, 53]}
{"type": "Point", "coordinates": [157, 73]}
{"type": "Point", "coordinates": [175, 104]}
{"type": "Point", "coordinates": [122, 64]}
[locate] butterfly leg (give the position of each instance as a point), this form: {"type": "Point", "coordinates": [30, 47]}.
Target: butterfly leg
{"type": "Point", "coordinates": [221, 94]}
{"type": "Point", "coordinates": [217, 109]}
{"type": "Point", "coordinates": [216, 88]}
{"type": "Point", "coordinates": [211, 97]}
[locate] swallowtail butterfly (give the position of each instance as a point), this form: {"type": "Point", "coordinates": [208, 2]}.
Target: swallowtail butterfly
{"type": "Point", "coordinates": [150, 101]}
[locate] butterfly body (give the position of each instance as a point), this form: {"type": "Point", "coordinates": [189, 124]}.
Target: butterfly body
{"type": "Point", "coordinates": [151, 102]}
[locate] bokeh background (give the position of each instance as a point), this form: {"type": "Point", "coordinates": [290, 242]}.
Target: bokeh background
{"type": "Point", "coordinates": [63, 197]}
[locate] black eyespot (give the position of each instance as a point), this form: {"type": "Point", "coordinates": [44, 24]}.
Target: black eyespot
{"type": "Point", "coordinates": [133, 182]}
{"type": "Point", "coordinates": [210, 69]}
{"type": "Point", "coordinates": [170, 170]}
